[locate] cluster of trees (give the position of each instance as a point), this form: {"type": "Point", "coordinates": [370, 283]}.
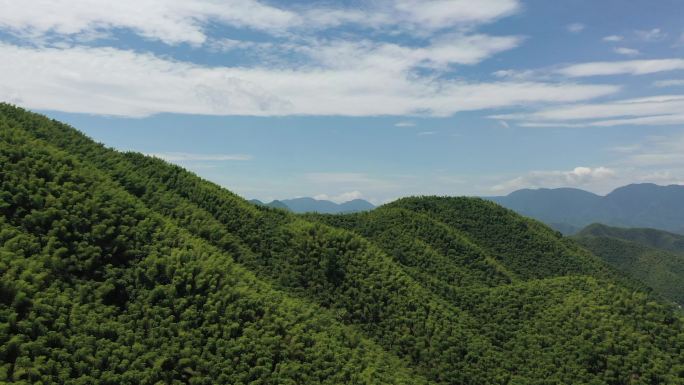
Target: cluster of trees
{"type": "Point", "coordinates": [121, 268]}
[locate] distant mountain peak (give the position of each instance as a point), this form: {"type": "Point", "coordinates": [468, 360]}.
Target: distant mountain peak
{"type": "Point", "coordinates": [308, 204]}
{"type": "Point", "coordinates": [633, 205]}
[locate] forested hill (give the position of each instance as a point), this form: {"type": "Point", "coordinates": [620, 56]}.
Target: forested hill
{"type": "Point", "coordinates": [648, 237]}
{"type": "Point", "coordinates": [119, 268]}
{"type": "Point", "coordinates": [653, 256]}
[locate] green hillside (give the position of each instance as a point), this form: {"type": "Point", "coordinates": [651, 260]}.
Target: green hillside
{"type": "Point", "coordinates": [653, 256]}
{"type": "Point", "coordinates": [658, 239]}
{"type": "Point", "coordinates": [120, 268]}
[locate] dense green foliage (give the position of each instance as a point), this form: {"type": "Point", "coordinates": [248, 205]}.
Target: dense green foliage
{"type": "Point", "coordinates": [658, 239]}
{"type": "Point", "coordinates": [120, 268]}
{"type": "Point", "coordinates": [98, 288]}
{"type": "Point", "coordinates": [655, 257]}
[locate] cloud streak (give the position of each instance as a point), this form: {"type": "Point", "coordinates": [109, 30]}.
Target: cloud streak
{"type": "Point", "coordinates": [186, 21]}
{"type": "Point", "coordinates": [631, 67]}
{"type": "Point", "coordinates": [653, 110]}
{"type": "Point", "coordinates": [110, 81]}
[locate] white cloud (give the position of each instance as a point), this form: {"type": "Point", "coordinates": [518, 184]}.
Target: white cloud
{"type": "Point", "coordinates": [190, 157]}
{"type": "Point", "coordinates": [186, 21]}
{"type": "Point", "coordinates": [575, 27]}
{"type": "Point", "coordinates": [658, 152]}
{"type": "Point", "coordinates": [443, 51]}
{"type": "Point", "coordinates": [654, 34]}
{"type": "Point", "coordinates": [225, 45]}
{"type": "Point", "coordinates": [631, 67]}
{"type": "Point", "coordinates": [613, 38]}
{"type": "Point", "coordinates": [437, 14]}
{"type": "Point", "coordinates": [341, 198]}
{"type": "Point", "coordinates": [405, 123]}
{"type": "Point", "coordinates": [517, 74]}
{"type": "Point", "coordinates": [669, 83]}
{"type": "Point", "coordinates": [426, 133]}
{"type": "Point", "coordinates": [110, 81]}
{"type": "Point", "coordinates": [653, 110]}
{"type": "Point", "coordinates": [626, 51]}
{"type": "Point", "coordinates": [653, 105]}
{"type": "Point", "coordinates": [658, 120]}
{"type": "Point", "coordinates": [577, 177]}
{"type": "Point", "coordinates": [171, 21]}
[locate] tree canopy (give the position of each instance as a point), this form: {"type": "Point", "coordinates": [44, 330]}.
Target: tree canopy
{"type": "Point", "coordinates": [118, 268]}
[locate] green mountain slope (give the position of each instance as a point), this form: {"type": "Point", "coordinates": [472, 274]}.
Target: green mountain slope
{"type": "Point", "coordinates": [97, 288]}
{"type": "Point", "coordinates": [468, 294]}
{"type": "Point", "coordinates": [658, 239]}
{"type": "Point", "coordinates": [653, 256]}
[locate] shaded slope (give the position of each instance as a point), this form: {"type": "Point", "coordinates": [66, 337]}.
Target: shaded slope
{"type": "Point", "coordinates": [648, 237]}
{"type": "Point", "coordinates": [634, 251]}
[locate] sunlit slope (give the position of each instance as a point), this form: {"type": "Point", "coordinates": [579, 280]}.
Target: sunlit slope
{"type": "Point", "coordinates": [524, 246]}
{"type": "Point", "coordinates": [97, 288]}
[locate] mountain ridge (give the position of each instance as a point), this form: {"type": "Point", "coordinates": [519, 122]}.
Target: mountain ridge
{"type": "Point", "coordinates": [310, 205]}
{"type": "Point", "coordinates": [569, 209]}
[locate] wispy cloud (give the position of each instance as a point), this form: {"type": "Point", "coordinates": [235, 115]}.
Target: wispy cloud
{"type": "Point", "coordinates": [654, 34]}
{"type": "Point", "coordinates": [342, 197]}
{"type": "Point", "coordinates": [613, 38]}
{"type": "Point", "coordinates": [631, 67]}
{"type": "Point", "coordinates": [654, 110]}
{"type": "Point", "coordinates": [405, 123]}
{"type": "Point", "coordinates": [626, 51]}
{"type": "Point", "coordinates": [669, 83]}
{"type": "Point", "coordinates": [186, 21]}
{"type": "Point", "coordinates": [575, 27]}
{"type": "Point", "coordinates": [190, 157]}
{"type": "Point", "coordinates": [72, 80]}
{"type": "Point", "coordinates": [170, 21]}
{"type": "Point", "coordinates": [426, 133]}
{"type": "Point", "coordinates": [577, 177]}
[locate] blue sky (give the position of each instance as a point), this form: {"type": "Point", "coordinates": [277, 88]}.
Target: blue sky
{"type": "Point", "coordinates": [373, 99]}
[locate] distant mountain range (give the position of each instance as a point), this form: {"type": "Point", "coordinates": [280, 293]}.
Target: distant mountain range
{"type": "Point", "coordinates": [568, 210]}
{"type": "Point", "coordinates": [311, 205]}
